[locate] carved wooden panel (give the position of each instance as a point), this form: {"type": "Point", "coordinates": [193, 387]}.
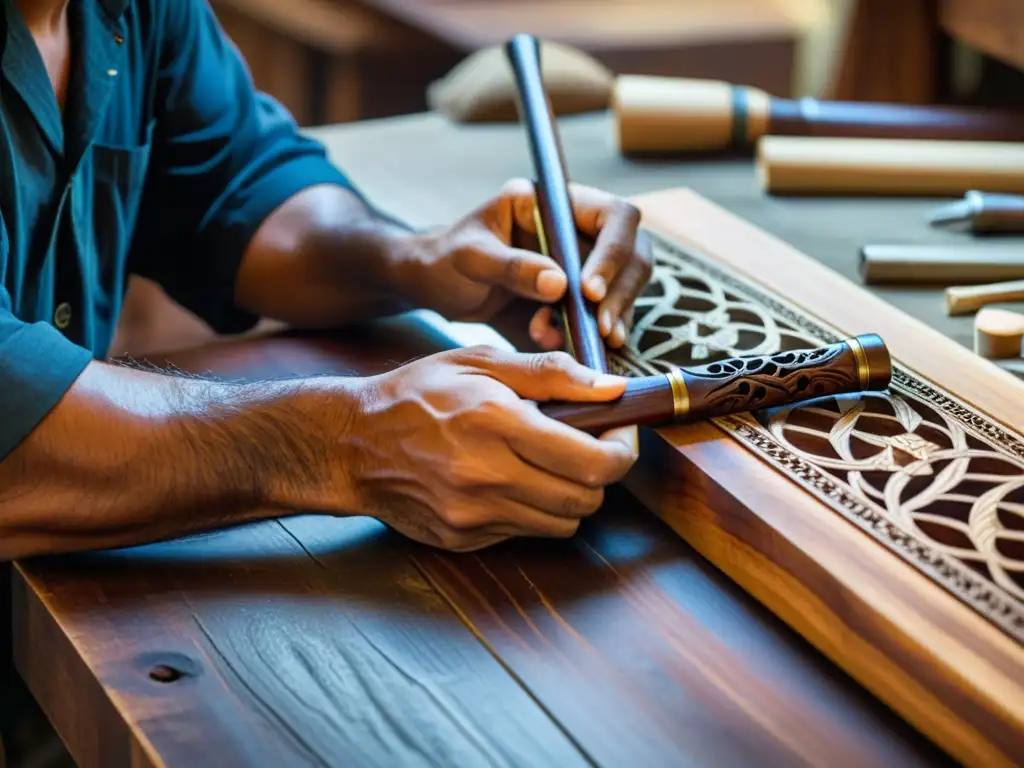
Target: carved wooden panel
{"type": "Point", "coordinates": [916, 468]}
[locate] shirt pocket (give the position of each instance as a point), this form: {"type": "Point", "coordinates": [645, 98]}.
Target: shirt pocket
{"type": "Point", "coordinates": [111, 199]}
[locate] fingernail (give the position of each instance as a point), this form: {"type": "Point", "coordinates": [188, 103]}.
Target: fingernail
{"type": "Point", "coordinates": [628, 436]}
{"type": "Point", "coordinates": [550, 283]}
{"type": "Point", "coordinates": [608, 381]}
{"type": "Point", "coordinates": [605, 321]}
{"type": "Point", "coordinates": [620, 332]}
{"type": "Point", "coordinates": [597, 287]}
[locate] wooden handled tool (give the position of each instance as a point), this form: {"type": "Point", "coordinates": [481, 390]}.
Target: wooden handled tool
{"type": "Point", "coordinates": [556, 222]}
{"type": "Point", "coordinates": [675, 115]}
{"type": "Point", "coordinates": [737, 385]}
{"type": "Point", "coordinates": [982, 213]}
{"type": "Point", "coordinates": [801, 165]}
{"type": "Point", "coordinates": [964, 299]}
{"type": "Point", "coordinates": [937, 264]}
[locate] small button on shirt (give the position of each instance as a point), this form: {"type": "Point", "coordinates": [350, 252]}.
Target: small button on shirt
{"type": "Point", "coordinates": [164, 163]}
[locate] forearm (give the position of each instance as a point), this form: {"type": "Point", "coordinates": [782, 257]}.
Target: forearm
{"type": "Point", "coordinates": [129, 457]}
{"type": "Point", "coordinates": [323, 260]}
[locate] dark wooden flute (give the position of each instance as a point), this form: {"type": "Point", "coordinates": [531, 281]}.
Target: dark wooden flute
{"type": "Point", "coordinates": [736, 385]}
{"type": "Point", "coordinates": [556, 224]}
{"type": "Point", "coordinates": [727, 387]}
{"type": "Point", "coordinates": [669, 114]}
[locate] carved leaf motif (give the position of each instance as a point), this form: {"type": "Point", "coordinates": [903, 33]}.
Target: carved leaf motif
{"type": "Point", "coordinates": [907, 416]}
{"type": "Point", "coordinates": [839, 435]}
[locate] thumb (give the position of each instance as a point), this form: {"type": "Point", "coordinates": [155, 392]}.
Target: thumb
{"type": "Point", "coordinates": [525, 273]}
{"type": "Point", "coordinates": [545, 375]}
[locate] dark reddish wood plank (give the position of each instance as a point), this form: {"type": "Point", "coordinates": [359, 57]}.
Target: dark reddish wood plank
{"type": "Point", "coordinates": [283, 659]}
{"type": "Point", "coordinates": [316, 640]}
{"type": "Point", "coordinates": [646, 653]}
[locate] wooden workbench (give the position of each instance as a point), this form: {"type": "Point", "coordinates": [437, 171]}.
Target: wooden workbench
{"type": "Point", "coordinates": [331, 642]}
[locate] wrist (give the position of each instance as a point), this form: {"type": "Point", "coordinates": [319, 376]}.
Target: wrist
{"type": "Point", "coordinates": [304, 449]}
{"type": "Point", "coordinates": [407, 268]}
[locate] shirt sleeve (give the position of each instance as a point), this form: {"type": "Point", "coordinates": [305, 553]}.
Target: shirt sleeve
{"type": "Point", "coordinates": [38, 365]}
{"type": "Point", "coordinates": [224, 156]}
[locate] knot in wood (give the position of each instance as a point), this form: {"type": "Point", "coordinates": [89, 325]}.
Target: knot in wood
{"type": "Point", "coordinates": [162, 673]}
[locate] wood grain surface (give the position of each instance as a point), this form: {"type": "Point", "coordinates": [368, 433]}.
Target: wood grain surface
{"type": "Point", "coordinates": [889, 54]}
{"type": "Point", "coordinates": [747, 41]}
{"type": "Point", "coordinates": [935, 660]}
{"type": "Point", "coordinates": [992, 26]}
{"type": "Point", "coordinates": [333, 642]}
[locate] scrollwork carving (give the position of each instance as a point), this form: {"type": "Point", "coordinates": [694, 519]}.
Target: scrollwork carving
{"type": "Point", "coordinates": [763, 381]}
{"type": "Point", "coordinates": [922, 472]}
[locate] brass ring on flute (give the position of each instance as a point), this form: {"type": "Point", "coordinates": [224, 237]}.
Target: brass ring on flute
{"type": "Point", "coordinates": [680, 394]}
{"type": "Point", "coordinates": [863, 369]}
{"type": "Point", "coordinates": [540, 231]}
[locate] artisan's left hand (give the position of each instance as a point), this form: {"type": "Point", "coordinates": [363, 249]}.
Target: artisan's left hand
{"type": "Point", "coordinates": [474, 269]}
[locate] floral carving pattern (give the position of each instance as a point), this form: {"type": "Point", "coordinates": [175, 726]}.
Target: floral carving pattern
{"type": "Point", "coordinates": [919, 470]}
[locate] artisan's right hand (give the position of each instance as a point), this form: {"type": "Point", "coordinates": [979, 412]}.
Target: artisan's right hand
{"type": "Point", "coordinates": [451, 450]}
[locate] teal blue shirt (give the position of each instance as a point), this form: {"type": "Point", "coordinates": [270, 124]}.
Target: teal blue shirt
{"type": "Point", "coordinates": [164, 164]}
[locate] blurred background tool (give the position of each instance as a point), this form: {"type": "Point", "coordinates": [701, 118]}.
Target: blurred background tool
{"type": "Point", "coordinates": [678, 115]}
{"type": "Point", "coordinates": [1012, 365]}
{"type": "Point", "coordinates": [907, 167]}
{"type": "Point", "coordinates": [963, 299]}
{"type": "Point", "coordinates": [941, 264]}
{"type": "Point", "coordinates": [981, 213]}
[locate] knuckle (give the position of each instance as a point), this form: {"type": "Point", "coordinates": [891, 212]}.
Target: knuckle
{"type": "Point", "coordinates": [594, 476]}
{"type": "Point", "coordinates": [459, 518]}
{"type": "Point", "coordinates": [486, 416]}
{"type": "Point", "coordinates": [629, 212]}
{"type": "Point", "coordinates": [464, 474]}
{"type": "Point", "coordinates": [583, 503]}
{"type": "Point", "coordinates": [515, 187]}
{"type": "Point", "coordinates": [512, 271]}
{"type": "Point", "coordinates": [552, 363]}
{"type": "Point", "coordinates": [619, 253]}
{"type": "Point", "coordinates": [480, 355]}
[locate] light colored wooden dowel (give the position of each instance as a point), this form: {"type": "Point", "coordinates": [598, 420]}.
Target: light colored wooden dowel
{"type": "Point", "coordinates": [998, 333]}
{"type": "Point", "coordinates": [797, 164]}
{"type": "Point", "coordinates": [963, 299]}
{"type": "Point", "coordinates": [939, 264]}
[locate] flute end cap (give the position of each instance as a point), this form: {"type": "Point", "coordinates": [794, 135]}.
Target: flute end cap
{"type": "Point", "coordinates": [876, 359]}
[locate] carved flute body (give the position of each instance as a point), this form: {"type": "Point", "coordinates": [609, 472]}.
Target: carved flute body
{"type": "Point", "coordinates": [737, 385]}
{"type": "Point", "coordinates": [670, 114]}
{"type": "Point", "coordinates": [556, 224]}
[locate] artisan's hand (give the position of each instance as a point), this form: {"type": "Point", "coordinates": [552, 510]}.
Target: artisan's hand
{"type": "Point", "coordinates": [475, 268]}
{"type": "Point", "coordinates": [452, 452]}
